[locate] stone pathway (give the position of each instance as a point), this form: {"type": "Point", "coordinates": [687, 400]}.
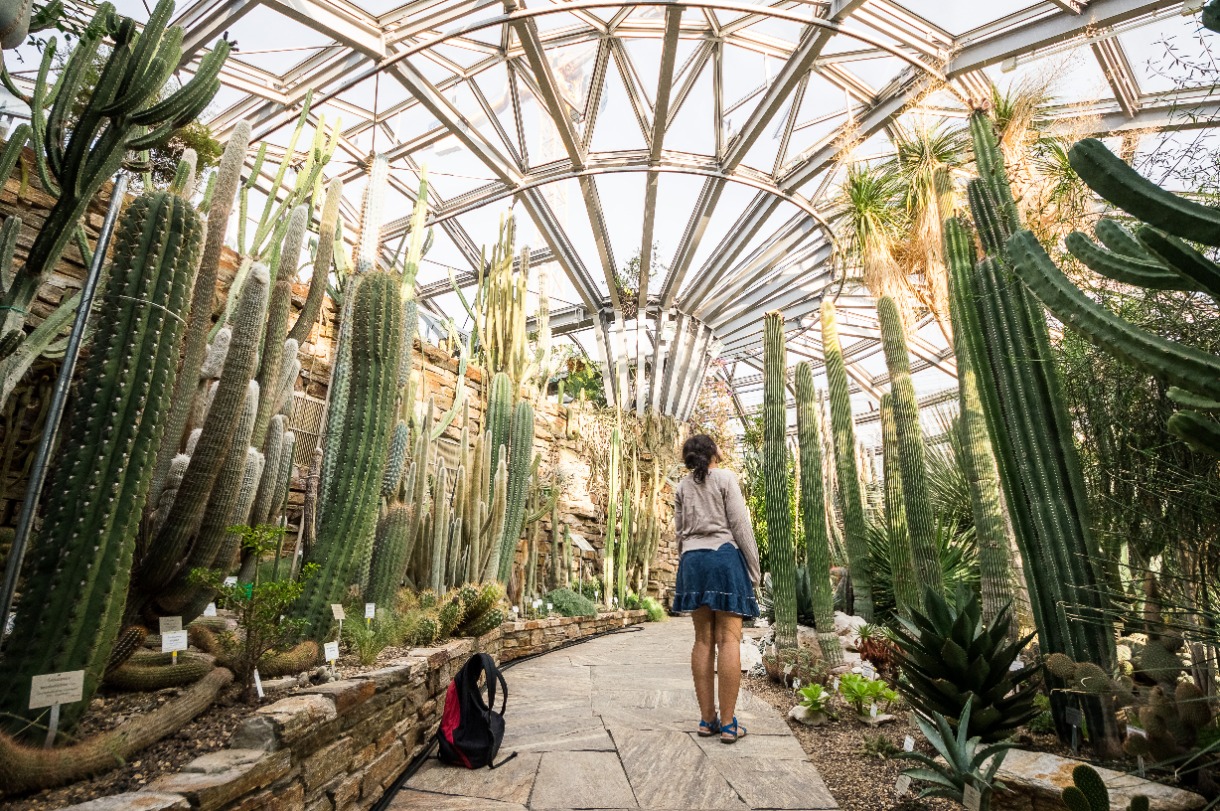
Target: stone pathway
{"type": "Point", "coordinates": [605, 725]}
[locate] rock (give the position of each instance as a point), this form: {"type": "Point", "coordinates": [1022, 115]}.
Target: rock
{"type": "Point", "coordinates": [848, 627]}
{"type": "Point", "coordinates": [1037, 779]}
{"type": "Point", "coordinates": [143, 801]}
{"type": "Point", "coordinates": [881, 718]}
{"type": "Point", "coordinates": [807, 716]}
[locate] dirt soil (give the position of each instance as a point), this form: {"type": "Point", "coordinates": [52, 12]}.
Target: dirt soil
{"type": "Point", "coordinates": [859, 781]}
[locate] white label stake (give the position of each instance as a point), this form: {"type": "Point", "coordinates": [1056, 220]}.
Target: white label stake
{"type": "Point", "coordinates": [169, 624]}
{"type": "Point", "coordinates": [971, 798]}
{"type": "Point", "coordinates": [370, 611]}
{"type": "Point", "coordinates": [331, 652]}
{"type": "Point", "coordinates": [209, 610]}
{"type": "Point", "coordinates": [902, 785]}
{"type": "Point", "coordinates": [258, 684]}
{"type": "Point", "coordinates": [908, 744]}
{"type": "Point", "coordinates": [53, 689]}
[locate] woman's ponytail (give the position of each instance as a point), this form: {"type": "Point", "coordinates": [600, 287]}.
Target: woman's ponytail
{"type": "Point", "coordinates": [698, 453]}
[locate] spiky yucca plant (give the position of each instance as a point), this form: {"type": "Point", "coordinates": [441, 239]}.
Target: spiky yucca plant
{"type": "Point", "coordinates": [955, 665]}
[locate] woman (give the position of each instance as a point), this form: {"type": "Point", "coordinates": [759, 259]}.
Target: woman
{"type": "Point", "coordinates": [717, 573]}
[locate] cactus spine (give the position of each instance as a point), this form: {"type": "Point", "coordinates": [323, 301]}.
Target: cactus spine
{"type": "Point", "coordinates": [520, 458]}
{"type": "Point", "coordinates": [77, 575]}
{"type": "Point", "coordinates": [349, 519]}
{"type": "Point", "coordinates": [813, 514]}
{"type": "Point", "coordinates": [775, 480]}
{"type": "Point", "coordinates": [908, 592]}
{"type": "Point", "coordinates": [921, 525]}
{"type": "Point", "coordinates": [1031, 432]}
{"type": "Point", "coordinates": [979, 463]}
{"type": "Point", "coordinates": [499, 415]}
{"type": "Point", "coordinates": [842, 425]}
{"type": "Point", "coordinates": [195, 340]}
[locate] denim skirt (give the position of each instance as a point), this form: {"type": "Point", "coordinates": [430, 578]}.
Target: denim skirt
{"type": "Point", "coordinates": [716, 578]}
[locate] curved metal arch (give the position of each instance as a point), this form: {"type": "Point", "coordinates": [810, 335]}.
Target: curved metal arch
{"type": "Point", "coordinates": [622, 162]}
{"type": "Point", "coordinates": [519, 15]}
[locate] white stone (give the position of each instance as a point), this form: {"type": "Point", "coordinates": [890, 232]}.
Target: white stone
{"type": "Point", "coordinates": [1037, 779]}
{"type": "Point", "coordinates": [806, 716]}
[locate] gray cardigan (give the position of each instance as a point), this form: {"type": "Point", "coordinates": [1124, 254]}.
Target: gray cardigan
{"type": "Point", "coordinates": [713, 513]}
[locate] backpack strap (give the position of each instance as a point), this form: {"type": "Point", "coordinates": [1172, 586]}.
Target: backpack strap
{"type": "Point", "coordinates": [492, 674]}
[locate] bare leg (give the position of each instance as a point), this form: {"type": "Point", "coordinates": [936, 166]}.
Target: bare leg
{"type": "Point", "coordinates": [728, 645]}
{"type": "Point", "coordinates": [703, 662]}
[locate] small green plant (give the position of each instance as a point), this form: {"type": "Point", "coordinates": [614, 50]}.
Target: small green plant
{"type": "Point", "coordinates": [963, 766]}
{"type": "Point", "coordinates": [815, 698]}
{"type": "Point", "coordinates": [878, 746]}
{"type": "Point", "coordinates": [1044, 722]}
{"type": "Point", "coordinates": [368, 639]}
{"type": "Point", "coordinates": [260, 607]}
{"type": "Point", "coordinates": [570, 604]}
{"type": "Point", "coordinates": [1089, 793]}
{"type": "Point", "coordinates": [862, 693]}
{"type": "Point", "coordinates": [656, 611]}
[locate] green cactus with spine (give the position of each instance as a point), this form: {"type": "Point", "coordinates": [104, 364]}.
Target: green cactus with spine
{"type": "Point", "coordinates": [441, 523]}
{"type": "Point", "coordinates": [778, 500]}
{"type": "Point", "coordinates": [167, 554]}
{"type": "Point", "coordinates": [520, 458]}
{"type": "Point", "coordinates": [908, 594]}
{"type": "Point", "coordinates": [1008, 344]}
{"type": "Point", "coordinates": [155, 671]}
{"type": "Point", "coordinates": [499, 416]}
{"type": "Point", "coordinates": [450, 616]}
{"type": "Point", "coordinates": [427, 631]}
{"type": "Point", "coordinates": [322, 263]}
{"type": "Point", "coordinates": [1089, 793]}
{"type": "Point", "coordinates": [130, 640]}
{"type": "Point", "coordinates": [478, 602]}
{"type": "Point", "coordinates": [842, 423]}
{"type": "Point", "coordinates": [79, 150]}
{"type": "Point", "coordinates": [813, 514]}
{"type": "Point", "coordinates": [396, 461]}
{"type": "Point", "coordinates": [488, 621]}
{"type": "Point", "coordinates": [1157, 257]}
{"type": "Point", "coordinates": [921, 523]}
{"type": "Point", "coordinates": [983, 480]}
{"type": "Point", "coordinates": [79, 565]}
{"type": "Point", "coordinates": [349, 519]}
{"type": "Point", "coordinates": [391, 551]}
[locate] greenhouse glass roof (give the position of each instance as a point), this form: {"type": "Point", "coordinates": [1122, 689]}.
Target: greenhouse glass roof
{"type": "Point", "coordinates": [704, 140]}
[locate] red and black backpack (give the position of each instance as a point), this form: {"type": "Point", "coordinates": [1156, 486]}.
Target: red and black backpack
{"type": "Point", "coordinates": [471, 729]}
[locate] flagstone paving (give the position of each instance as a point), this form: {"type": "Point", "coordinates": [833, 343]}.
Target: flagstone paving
{"type": "Point", "coordinates": [606, 725]}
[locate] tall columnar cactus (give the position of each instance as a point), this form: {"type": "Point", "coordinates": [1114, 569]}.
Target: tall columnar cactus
{"type": "Point", "coordinates": [195, 340]}
{"type": "Point", "coordinates": [273, 451]}
{"type": "Point", "coordinates": [1162, 248]}
{"type": "Point", "coordinates": [77, 573]}
{"type": "Point", "coordinates": [1009, 345]}
{"type": "Point", "coordinates": [520, 459]}
{"type": "Point", "coordinates": [813, 514]}
{"type": "Point", "coordinates": [777, 497]}
{"type": "Point", "coordinates": [612, 513]}
{"type": "Point", "coordinates": [349, 520]}
{"type": "Point", "coordinates": [499, 415]}
{"type": "Point", "coordinates": [322, 262]}
{"type": "Point", "coordinates": [842, 424]}
{"type": "Point", "coordinates": [442, 517]}
{"type": "Point", "coordinates": [921, 523]}
{"type": "Point", "coordinates": [123, 111]}
{"type": "Point", "coordinates": [215, 546]}
{"type": "Point", "coordinates": [983, 479]}
{"type": "Point", "coordinates": [391, 551]}
{"type": "Point", "coordinates": [908, 591]}
{"type": "Point", "coordinates": [168, 552]}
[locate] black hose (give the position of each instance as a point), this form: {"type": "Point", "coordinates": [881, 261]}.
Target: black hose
{"type": "Point", "coordinates": [417, 762]}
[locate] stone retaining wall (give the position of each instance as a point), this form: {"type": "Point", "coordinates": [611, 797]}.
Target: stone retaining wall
{"type": "Point", "coordinates": [338, 746]}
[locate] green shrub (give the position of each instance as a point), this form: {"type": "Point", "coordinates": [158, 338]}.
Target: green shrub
{"type": "Point", "coordinates": [368, 638]}
{"type": "Point", "coordinates": [656, 611]}
{"type": "Point", "coordinates": [570, 604]}
{"type": "Point", "coordinates": [862, 693]}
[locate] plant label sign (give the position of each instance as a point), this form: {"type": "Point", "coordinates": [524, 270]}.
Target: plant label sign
{"type": "Point", "coordinates": [836, 683]}
{"type": "Point", "coordinates": [258, 684]}
{"type": "Point", "coordinates": [370, 610]}
{"type": "Point", "coordinates": [209, 610]}
{"type": "Point", "coordinates": [868, 672]}
{"type": "Point", "coordinates": [1074, 716]}
{"type": "Point", "coordinates": [50, 689]}
{"type": "Point", "coordinates": [331, 651]}
{"type": "Point", "coordinates": [231, 580]}
{"type": "Point", "coordinates": [337, 610]}
{"type": "Point", "coordinates": [902, 785]}
{"type": "Point", "coordinates": [169, 625]}
{"type": "Point", "coordinates": [908, 744]}
{"type": "Point", "coordinates": [173, 642]}
{"type": "Point", "coordinates": [971, 798]}
{"type": "Point", "coordinates": [549, 607]}
{"type": "Point", "coordinates": [872, 710]}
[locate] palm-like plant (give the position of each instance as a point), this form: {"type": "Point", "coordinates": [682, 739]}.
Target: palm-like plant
{"type": "Point", "coordinates": [925, 157]}
{"type": "Point", "coordinates": [956, 666]}
{"type": "Point", "coordinates": [870, 204]}
{"type": "Point", "coordinates": [965, 762]}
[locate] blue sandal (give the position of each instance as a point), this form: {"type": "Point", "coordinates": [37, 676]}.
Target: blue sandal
{"type": "Point", "coordinates": [707, 730]}
{"type": "Point", "coordinates": [729, 733]}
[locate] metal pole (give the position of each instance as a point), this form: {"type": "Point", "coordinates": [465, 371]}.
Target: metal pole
{"type": "Point", "coordinates": [59, 399]}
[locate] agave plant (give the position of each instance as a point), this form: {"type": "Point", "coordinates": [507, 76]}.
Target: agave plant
{"type": "Point", "coordinates": [955, 665]}
{"type": "Point", "coordinates": [966, 765]}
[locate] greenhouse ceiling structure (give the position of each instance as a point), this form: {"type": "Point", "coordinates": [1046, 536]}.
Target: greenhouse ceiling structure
{"type": "Point", "coordinates": [696, 146]}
